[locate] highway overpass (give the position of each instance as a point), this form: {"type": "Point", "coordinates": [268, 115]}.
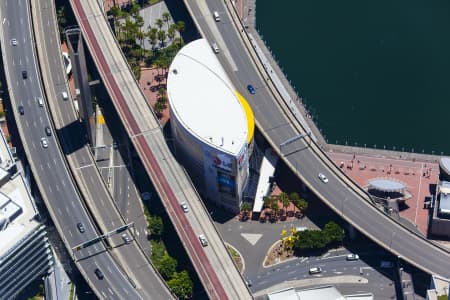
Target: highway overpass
{"type": "Point", "coordinates": [305, 158]}
{"type": "Point", "coordinates": [86, 174]}
{"type": "Point", "coordinates": [213, 264]}
{"type": "Point", "coordinates": [48, 164]}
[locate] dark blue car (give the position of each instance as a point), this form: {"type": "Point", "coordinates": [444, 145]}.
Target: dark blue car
{"type": "Point", "coordinates": [251, 89]}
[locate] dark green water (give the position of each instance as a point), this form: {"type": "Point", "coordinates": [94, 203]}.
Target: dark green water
{"type": "Point", "coordinates": [371, 72]}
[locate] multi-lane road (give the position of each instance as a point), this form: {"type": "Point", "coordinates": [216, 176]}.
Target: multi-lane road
{"type": "Point", "coordinates": [306, 159]}
{"type": "Point", "coordinates": [213, 264]}
{"type": "Point", "coordinates": [48, 164]}
{"type": "Point", "coordinates": [130, 256]}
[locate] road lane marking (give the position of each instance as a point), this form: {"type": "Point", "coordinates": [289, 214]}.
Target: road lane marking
{"type": "Point", "coordinates": [291, 272]}
{"type": "Point", "coordinates": [4, 20]}
{"type": "Point", "coordinates": [109, 289]}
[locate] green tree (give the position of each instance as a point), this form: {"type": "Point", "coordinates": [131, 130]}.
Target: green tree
{"type": "Point", "coordinates": [245, 208]}
{"type": "Point", "coordinates": [309, 240]}
{"type": "Point", "coordinates": [156, 226]}
{"type": "Point", "coordinates": [302, 205]}
{"type": "Point", "coordinates": [267, 200]}
{"type": "Point", "coordinates": [158, 251]}
{"type": "Point", "coordinates": [162, 37]}
{"type": "Point", "coordinates": [166, 18]}
{"type": "Point", "coordinates": [135, 8]}
{"type": "Point", "coordinates": [152, 35]}
{"type": "Point", "coordinates": [181, 285]}
{"type": "Point", "coordinates": [274, 207]}
{"type": "Point", "coordinates": [180, 26]}
{"type": "Point", "coordinates": [171, 31]}
{"type": "Point", "coordinates": [333, 232]}
{"type": "Point", "coordinates": [294, 197]}
{"type": "Point", "coordinates": [159, 23]}
{"type": "Point", "coordinates": [167, 266]}
{"type": "Point", "coordinates": [284, 198]}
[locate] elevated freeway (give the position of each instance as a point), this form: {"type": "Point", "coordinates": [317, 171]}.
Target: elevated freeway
{"type": "Point", "coordinates": [213, 264]}
{"type": "Point", "coordinates": [48, 163]}
{"type": "Point", "coordinates": [91, 185]}
{"type": "Point", "coordinates": [305, 158]}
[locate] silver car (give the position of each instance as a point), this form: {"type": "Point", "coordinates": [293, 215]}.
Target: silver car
{"type": "Point", "coordinates": [323, 178]}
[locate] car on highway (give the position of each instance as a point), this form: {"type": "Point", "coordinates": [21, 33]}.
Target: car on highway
{"type": "Point", "coordinates": [48, 131]}
{"type": "Point", "coordinates": [21, 110]}
{"type": "Point", "coordinates": [24, 74]}
{"type": "Point", "coordinates": [315, 270]}
{"type": "Point", "coordinates": [14, 42]}
{"type": "Point", "coordinates": [251, 89]}
{"type": "Point", "coordinates": [184, 206]}
{"type": "Point", "coordinates": [216, 16]}
{"type": "Point", "coordinates": [323, 178]}
{"type": "Point", "coordinates": [125, 238]}
{"type": "Point", "coordinates": [215, 48]}
{"type": "Point", "coordinates": [44, 142]}
{"type": "Point", "coordinates": [203, 240]}
{"type": "Point", "coordinates": [99, 273]}
{"type": "Point", "coordinates": [248, 282]}
{"type": "Point", "coordinates": [352, 256]}
{"type": "Point", "coordinates": [80, 227]}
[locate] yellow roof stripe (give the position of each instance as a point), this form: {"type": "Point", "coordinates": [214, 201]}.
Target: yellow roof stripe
{"type": "Point", "coordinates": [100, 119]}
{"type": "Point", "coordinates": [249, 115]}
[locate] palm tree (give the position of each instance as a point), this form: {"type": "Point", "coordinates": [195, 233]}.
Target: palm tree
{"type": "Point", "coordinates": [302, 205]}
{"type": "Point", "coordinates": [152, 35]}
{"type": "Point", "coordinates": [274, 207]}
{"type": "Point", "coordinates": [267, 201]}
{"type": "Point", "coordinates": [246, 207]}
{"type": "Point", "coordinates": [162, 95]}
{"type": "Point", "coordinates": [135, 10]}
{"type": "Point", "coordinates": [180, 26]}
{"type": "Point", "coordinates": [159, 23]}
{"type": "Point", "coordinates": [162, 37]}
{"type": "Point", "coordinates": [166, 18]}
{"type": "Point", "coordinates": [285, 200]}
{"type": "Point", "coordinates": [171, 31]}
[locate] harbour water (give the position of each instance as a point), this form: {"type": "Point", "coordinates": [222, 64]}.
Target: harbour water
{"type": "Point", "coordinates": [371, 73]}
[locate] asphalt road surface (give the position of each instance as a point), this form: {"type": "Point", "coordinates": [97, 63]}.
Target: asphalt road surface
{"type": "Point", "coordinates": [273, 122]}
{"type": "Point", "coordinates": [48, 164]}
{"type": "Point", "coordinates": [72, 138]}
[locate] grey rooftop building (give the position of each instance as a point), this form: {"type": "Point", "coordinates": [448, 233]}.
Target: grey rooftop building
{"type": "Point", "coordinates": [25, 252]}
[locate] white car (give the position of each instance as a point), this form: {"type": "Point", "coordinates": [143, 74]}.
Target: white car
{"type": "Point", "coordinates": [203, 240]}
{"type": "Point", "coordinates": [184, 206]}
{"type": "Point", "coordinates": [323, 178]}
{"type": "Point", "coordinates": [215, 48]}
{"type": "Point", "coordinates": [14, 42]}
{"type": "Point", "coordinates": [44, 142]}
{"type": "Point", "coordinates": [315, 270]}
{"type": "Point", "coordinates": [352, 256]}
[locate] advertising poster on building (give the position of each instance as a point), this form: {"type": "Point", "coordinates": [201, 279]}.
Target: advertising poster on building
{"type": "Point", "coordinates": [226, 183]}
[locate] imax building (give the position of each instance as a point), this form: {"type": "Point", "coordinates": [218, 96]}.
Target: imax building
{"type": "Point", "coordinates": [212, 125]}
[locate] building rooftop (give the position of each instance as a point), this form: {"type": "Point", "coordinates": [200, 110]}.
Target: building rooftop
{"type": "Point", "coordinates": [444, 197]}
{"type": "Point", "coordinates": [328, 292]}
{"type": "Point", "coordinates": [17, 210]}
{"type": "Point", "coordinates": [204, 99]}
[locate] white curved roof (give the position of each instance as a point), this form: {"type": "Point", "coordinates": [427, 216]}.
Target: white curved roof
{"type": "Point", "coordinates": [204, 100]}
{"type": "Point", "coordinates": [387, 185]}
{"type": "Point", "coordinates": [445, 164]}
